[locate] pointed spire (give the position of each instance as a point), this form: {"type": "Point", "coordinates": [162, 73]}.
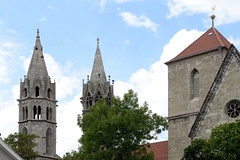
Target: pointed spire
{"type": "Point", "coordinates": [98, 73]}
{"type": "Point", "coordinates": [37, 65]}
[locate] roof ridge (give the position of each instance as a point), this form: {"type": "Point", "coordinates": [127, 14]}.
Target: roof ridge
{"type": "Point", "coordinates": [216, 33]}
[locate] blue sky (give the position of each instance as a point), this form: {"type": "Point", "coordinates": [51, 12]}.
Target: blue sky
{"type": "Point", "coordinates": [136, 38]}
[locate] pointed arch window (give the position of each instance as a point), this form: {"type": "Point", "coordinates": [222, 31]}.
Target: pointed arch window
{"type": "Point", "coordinates": [34, 112]}
{"type": "Point", "coordinates": [98, 96]}
{"type": "Point", "coordinates": [51, 114]}
{"type": "Point", "coordinates": [39, 113]}
{"type": "Point", "coordinates": [24, 130]}
{"type": "Point", "coordinates": [108, 99]}
{"type": "Point", "coordinates": [23, 112]}
{"type": "Point", "coordinates": [48, 141]}
{"type": "Point", "coordinates": [49, 93]}
{"type": "Point", "coordinates": [195, 83]}
{"type": "Point", "coordinates": [47, 113]}
{"type": "Point", "coordinates": [88, 101]}
{"type": "Point", "coordinates": [25, 92]}
{"type": "Point", "coordinates": [26, 112]}
{"type": "Point", "coordinates": [37, 91]}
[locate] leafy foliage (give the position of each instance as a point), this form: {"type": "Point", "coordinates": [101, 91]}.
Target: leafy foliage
{"type": "Point", "coordinates": [224, 143]}
{"type": "Point", "coordinates": [23, 144]}
{"type": "Point", "coordinates": [119, 132]}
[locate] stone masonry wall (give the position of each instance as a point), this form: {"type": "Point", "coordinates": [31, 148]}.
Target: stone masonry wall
{"type": "Point", "coordinates": [182, 108]}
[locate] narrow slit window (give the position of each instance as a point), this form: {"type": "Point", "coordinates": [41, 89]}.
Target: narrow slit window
{"type": "Point", "coordinates": [37, 91]}
{"type": "Point", "coordinates": [34, 112]}
{"type": "Point", "coordinates": [39, 113]}
{"type": "Point", "coordinates": [196, 84]}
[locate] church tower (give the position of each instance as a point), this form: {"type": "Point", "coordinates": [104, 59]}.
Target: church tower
{"type": "Point", "coordinates": [98, 86]}
{"type": "Point", "coordinates": [191, 79]}
{"type": "Point", "coordinates": [37, 105]}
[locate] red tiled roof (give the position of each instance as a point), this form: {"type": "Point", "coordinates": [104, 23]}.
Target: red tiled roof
{"type": "Point", "coordinates": [210, 40]}
{"type": "Point", "coordinates": [160, 150]}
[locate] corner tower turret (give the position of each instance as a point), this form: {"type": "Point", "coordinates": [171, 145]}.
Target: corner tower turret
{"type": "Point", "coordinates": [98, 86]}
{"type": "Point", "coordinates": [37, 105]}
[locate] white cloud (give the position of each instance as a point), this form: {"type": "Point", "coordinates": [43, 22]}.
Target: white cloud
{"type": "Point", "coordinates": [9, 113]}
{"type": "Point", "coordinates": [8, 51]}
{"type": "Point", "coordinates": [126, 41]}
{"type": "Point", "coordinates": [234, 41]}
{"type": "Point", "coordinates": [225, 11]}
{"type": "Point", "coordinates": [138, 21]}
{"type": "Point", "coordinates": [68, 132]}
{"type": "Point", "coordinates": [152, 84]}
{"type": "Point", "coordinates": [102, 3]}
{"type": "Point", "coordinates": [43, 19]}
{"type": "Point", "coordinates": [123, 1]}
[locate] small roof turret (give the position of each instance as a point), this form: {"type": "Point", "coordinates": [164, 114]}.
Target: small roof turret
{"type": "Point", "coordinates": [98, 73]}
{"type": "Point", "coordinates": [37, 65]}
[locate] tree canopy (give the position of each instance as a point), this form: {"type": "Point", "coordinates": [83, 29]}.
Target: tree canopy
{"type": "Point", "coordinates": [224, 143]}
{"type": "Point", "coordinates": [23, 145]}
{"type": "Point", "coordinates": [119, 132]}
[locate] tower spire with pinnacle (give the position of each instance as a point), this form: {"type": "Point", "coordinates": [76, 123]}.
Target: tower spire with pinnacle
{"type": "Point", "coordinates": [37, 105]}
{"type": "Point", "coordinates": [37, 65]}
{"type": "Point", "coordinates": [98, 73]}
{"type": "Point", "coordinates": [97, 87]}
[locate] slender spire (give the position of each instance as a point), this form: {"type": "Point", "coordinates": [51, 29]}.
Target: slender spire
{"type": "Point", "coordinates": [37, 65]}
{"type": "Point", "coordinates": [98, 73]}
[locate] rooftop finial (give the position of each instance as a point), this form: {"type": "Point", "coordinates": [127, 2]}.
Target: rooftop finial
{"type": "Point", "coordinates": [37, 32]}
{"type": "Point", "coordinates": [213, 15]}
{"type": "Point", "coordinates": [98, 40]}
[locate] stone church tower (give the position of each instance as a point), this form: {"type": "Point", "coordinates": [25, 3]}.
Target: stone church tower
{"type": "Point", "coordinates": [203, 90]}
{"type": "Point", "coordinates": [98, 86]}
{"type": "Point", "coordinates": [37, 105]}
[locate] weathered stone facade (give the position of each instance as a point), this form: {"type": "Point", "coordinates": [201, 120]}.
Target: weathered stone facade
{"type": "Point", "coordinates": [188, 118]}
{"type": "Point", "coordinates": [37, 105]}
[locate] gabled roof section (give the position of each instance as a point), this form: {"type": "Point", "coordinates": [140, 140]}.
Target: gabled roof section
{"type": "Point", "coordinates": [9, 151]}
{"type": "Point", "coordinates": [210, 40]}
{"type": "Point", "coordinates": [37, 65]}
{"type": "Point", "coordinates": [232, 52]}
{"type": "Point", "coordinates": [98, 73]}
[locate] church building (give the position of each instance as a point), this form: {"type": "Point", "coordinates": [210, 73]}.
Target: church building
{"type": "Point", "coordinates": [37, 105]}
{"type": "Point", "coordinates": [203, 90]}
{"type": "Point", "coordinates": [97, 87]}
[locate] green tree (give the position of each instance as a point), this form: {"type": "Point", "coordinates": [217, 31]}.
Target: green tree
{"type": "Point", "coordinates": [223, 144]}
{"type": "Point", "coordinates": [119, 132]}
{"type": "Point", "coordinates": [23, 145]}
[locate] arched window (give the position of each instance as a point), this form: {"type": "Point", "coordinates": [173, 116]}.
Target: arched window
{"type": "Point", "coordinates": [23, 112]}
{"type": "Point", "coordinates": [195, 83]}
{"type": "Point", "coordinates": [88, 101]}
{"type": "Point", "coordinates": [48, 141]}
{"type": "Point", "coordinates": [25, 92]}
{"type": "Point", "coordinates": [34, 112]}
{"type": "Point", "coordinates": [49, 93]}
{"type": "Point", "coordinates": [26, 112]}
{"type": "Point", "coordinates": [37, 91]}
{"type": "Point", "coordinates": [108, 100]}
{"type": "Point", "coordinates": [98, 96]}
{"type": "Point", "coordinates": [24, 130]}
{"type": "Point", "coordinates": [39, 113]}
{"type": "Point", "coordinates": [47, 113]}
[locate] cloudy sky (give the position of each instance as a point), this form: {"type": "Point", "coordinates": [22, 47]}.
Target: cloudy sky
{"type": "Point", "coordinates": [136, 38]}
